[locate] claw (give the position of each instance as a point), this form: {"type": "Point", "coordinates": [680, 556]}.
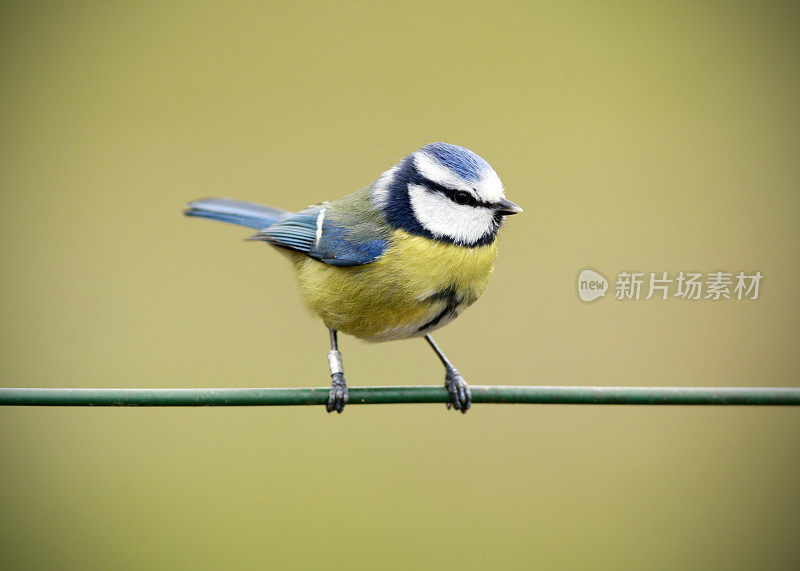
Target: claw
{"type": "Point", "coordinates": [339, 395]}
{"type": "Point", "coordinates": [460, 395]}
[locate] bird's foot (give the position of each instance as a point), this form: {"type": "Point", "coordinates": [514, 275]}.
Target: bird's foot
{"type": "Point", "coordinates": [338, 396]}
{"type": "Point", "coordinates": [460, 395]}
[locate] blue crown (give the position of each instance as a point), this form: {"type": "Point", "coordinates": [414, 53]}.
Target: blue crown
{"type": "Point", "coordinates": [461, 161]}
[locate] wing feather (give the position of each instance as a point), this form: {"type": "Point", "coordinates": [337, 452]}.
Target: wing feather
{"type": "Point", "coordinates": [337, 243]}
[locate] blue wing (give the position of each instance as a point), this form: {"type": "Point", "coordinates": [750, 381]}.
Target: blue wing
{"type": "Point", "coordinates": [326, 236]}
{"type": "Point", "coordinates": [236, 212]}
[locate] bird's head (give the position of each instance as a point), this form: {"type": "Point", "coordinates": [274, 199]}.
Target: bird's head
{"type": "Point", "coordinates": [444, 192]}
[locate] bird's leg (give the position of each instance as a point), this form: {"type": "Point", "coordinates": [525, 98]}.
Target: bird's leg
{"type": "Point", "coordinates": [460, 395]}
{"type": "Point", "coordinates": [338, 396]}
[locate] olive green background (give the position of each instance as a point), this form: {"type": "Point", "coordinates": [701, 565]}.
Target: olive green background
{"type": "Point", "coordinates": [638, 137]}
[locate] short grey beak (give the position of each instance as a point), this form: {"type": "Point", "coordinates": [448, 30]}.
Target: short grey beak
{"type": "Point", "coordinates": [507, 207]}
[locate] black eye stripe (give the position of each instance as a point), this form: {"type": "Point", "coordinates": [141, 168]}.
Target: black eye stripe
{"type": "Point", "coordinates": [457, 196]}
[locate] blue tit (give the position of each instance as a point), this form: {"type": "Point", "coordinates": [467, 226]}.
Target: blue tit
{"type": "Point", "coordinates": [399, 258]}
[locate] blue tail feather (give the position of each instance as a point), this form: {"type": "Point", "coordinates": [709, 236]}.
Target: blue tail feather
{"type": "Point", "coordinates": [238, 212]}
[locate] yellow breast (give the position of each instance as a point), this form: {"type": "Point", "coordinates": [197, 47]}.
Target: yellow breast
{"type": "Point", "coordinates": [413, 283]}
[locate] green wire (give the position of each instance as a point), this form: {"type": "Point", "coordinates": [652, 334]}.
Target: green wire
{"type": "Point", "coordinates": [401, 394]}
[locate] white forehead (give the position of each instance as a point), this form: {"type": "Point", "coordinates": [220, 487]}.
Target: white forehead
{"type": "Point", "coordinates": [485, 185]}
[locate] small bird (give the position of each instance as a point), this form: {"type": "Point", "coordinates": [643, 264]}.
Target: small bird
{"type": "Point", "coordinates": [398, 258]}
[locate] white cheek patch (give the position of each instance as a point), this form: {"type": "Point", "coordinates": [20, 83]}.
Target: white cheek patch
{"type": "Point", "coordinates": [445, 219]}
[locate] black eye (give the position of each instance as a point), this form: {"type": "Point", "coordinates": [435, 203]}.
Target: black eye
{"type": "Point", "coordinates": [461, 197]}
